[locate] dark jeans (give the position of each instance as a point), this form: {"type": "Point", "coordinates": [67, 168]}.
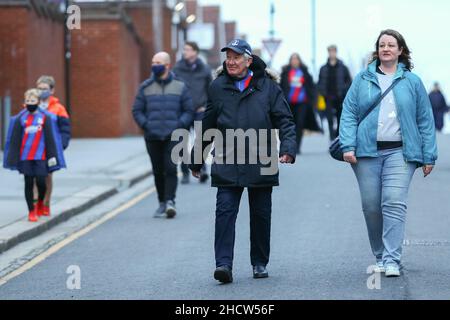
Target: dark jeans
{"type": "Point", "coordinates": [299, 112]}
{"type": "Point", "coordinates": [227, 207]}
{"type": "Point", "coordinates": [333, 112]}
{"type": "Point", "coordinates": [164, 170]}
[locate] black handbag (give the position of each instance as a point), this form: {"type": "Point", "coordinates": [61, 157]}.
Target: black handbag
{"type": "Point", "coordinates": [335, 145]}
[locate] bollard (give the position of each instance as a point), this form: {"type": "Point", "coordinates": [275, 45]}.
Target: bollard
{"type": "Point", "coordinates": [5, 116]}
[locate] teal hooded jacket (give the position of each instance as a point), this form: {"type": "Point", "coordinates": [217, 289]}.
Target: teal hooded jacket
{"type": "Point", "coordinates": [414, 113]}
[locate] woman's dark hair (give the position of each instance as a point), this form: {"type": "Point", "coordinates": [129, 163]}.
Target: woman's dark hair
{"type": "Point", "coordinates": [193, 45]}
{"type": "Point", "coordinates": [405, 57]}
{"type": "Point", "coordinates": [295, 55]}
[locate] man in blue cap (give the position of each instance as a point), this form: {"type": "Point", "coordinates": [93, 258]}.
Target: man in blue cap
{"type": "Point", "coordinates": [244, 97]}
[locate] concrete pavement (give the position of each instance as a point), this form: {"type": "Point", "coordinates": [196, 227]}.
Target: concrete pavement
{"type": "Point", "coordinates": [97, 169]}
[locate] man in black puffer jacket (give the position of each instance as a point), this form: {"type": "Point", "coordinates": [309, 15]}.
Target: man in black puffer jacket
{"type": "Point", "coordinates": [244, 98]}
{"type": "Point", "coordinates": [334, 82]}
{"type": "Point", "coordinates": [163, 104]}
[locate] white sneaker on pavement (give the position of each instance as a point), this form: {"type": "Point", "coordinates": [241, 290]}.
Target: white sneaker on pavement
{"type": "Point", "coordinates": [379, 268]}
{"type": "Point", "coordinates": [392, 271]}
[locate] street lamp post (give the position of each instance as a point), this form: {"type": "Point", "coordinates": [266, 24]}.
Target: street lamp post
{"type": "Point", "coordinates": [67, 56]}
{"type": "Point", "coordinates": [313, 38]}
{"type": "Point", "coordinates": [271, 44]}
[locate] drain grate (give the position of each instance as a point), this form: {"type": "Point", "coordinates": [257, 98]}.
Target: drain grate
{"type": "Point", "coordinates": [426, 243]}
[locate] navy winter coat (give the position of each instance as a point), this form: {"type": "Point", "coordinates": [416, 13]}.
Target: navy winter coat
{"type": "Point", "coordinates": [260, 106]}
{"type": "Point", "coordinates": [343, 79]}
{"type": "Point", "coordinates": [162, 106]}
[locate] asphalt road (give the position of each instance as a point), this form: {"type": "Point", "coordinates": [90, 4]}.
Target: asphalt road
{"type": "Point", "coordinates": [319, 246]}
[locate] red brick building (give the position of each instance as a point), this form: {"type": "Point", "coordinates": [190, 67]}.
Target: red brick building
{"type": "Point", "coordinates": [104, 73]}
{"type": "Point", "coordinates": [110, 55]}
{"type": "Point", "coordinates": [27, 30]}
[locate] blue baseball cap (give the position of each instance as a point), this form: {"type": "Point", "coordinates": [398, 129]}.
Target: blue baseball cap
{"type": "Point", "coordinates": [239, 46]}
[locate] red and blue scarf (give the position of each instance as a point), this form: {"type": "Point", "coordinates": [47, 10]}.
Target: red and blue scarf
{"type": "Point", "coordinates": [244, 83]}
{"type": "Point", "coordinates": [297, 92]}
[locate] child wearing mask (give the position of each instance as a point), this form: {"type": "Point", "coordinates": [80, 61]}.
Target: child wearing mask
{"type": "Point", "coordinates": [34, 148]}
{"type": "Point", "coordinates": [51, 104]}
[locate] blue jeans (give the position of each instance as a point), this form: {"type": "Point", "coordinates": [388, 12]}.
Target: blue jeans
{"type": "Point", "coordinates": [383, 183]}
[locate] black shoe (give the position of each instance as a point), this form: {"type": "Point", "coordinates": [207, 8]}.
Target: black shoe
{"type": "Point", "coordinates": [171, 211]}
{"type": "Point", "coordinates": [161, 211]}
{"type": "Point", "coordinates": [260, 272]}
{"type": "Point", "coordinates": [223, 274]}
{"type": "Point", "coordinates": [203, 177]}
{"type": "Point", "coordinates": [185, 179]}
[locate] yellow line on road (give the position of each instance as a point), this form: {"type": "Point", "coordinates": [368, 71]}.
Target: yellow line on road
{"type": "Point", "coordinates": [41, 257]}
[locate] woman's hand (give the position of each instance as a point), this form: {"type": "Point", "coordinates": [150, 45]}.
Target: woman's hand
{"type": "Point", "coordinates": [350, 157]}
{"type": "Point", "coordinates": [427, 169]}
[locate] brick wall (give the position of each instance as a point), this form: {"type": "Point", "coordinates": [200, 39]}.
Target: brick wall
{"type": "Point", "coordinates": [142, 20]}
{"type": "Point", "coordinates": [230, 31]}
{"type": "Point", "coordinates": [105, 77]}
{"type": "Point", "coordinates": [30, 45]}
{"type": "Point", "coordinates": [191, 7]}
{"type": "Point", "coordinates": [211, 14]}
{"type": "Point", "coordinates": [129, 80]}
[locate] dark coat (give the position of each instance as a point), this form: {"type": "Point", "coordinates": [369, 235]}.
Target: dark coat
{"type": "Point", "coordinates": [52, 136]}
{"type": "Point", "coordinates": [197, 80]}
{"type": "Point", "coordinates": [162, 107]}
{"type": "Point", "coordinates": [439, 108]}
{"type": "Point", "coordinates": [261, 106]}
{"type": "Point", "coordinates": [309, 83]}
{"type": "Point", "coordinates": [343, 80]}
{"type": "Point", "coordinates": [311, 93]}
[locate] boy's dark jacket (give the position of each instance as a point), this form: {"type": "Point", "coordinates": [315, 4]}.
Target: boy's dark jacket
{"type": "Point", "coordinates": [52, 136]}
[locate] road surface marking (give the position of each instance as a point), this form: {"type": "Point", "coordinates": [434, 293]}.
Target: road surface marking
{"type": "Point", "coordinates": [41, 257]}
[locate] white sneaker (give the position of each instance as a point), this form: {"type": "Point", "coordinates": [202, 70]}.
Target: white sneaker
{"type": "Point", "coordinates": [379, 267]}
{"type": "Point", "coordinates": [392, 271]}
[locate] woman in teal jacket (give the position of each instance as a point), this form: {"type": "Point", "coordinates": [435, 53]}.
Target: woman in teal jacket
{"type": "Point", "coordinates": [389, 144]}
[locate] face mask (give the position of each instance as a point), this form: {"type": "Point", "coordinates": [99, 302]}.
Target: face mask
{"type": "Point", "coordinates": [158, 70]}
{"type": "Point", "coordinates": [32, 107]}
{"type": "Point", "coordinates": [43, 105]}
{"type": "Point", "coordinates": [45, 94]}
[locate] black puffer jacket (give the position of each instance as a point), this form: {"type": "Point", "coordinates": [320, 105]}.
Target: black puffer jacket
{"type": "Point", "coordinates": [162, 106]}
{"type": "Point", "coordinates": [197, 78]}
{"type": "Point", "coordinates": [343, 79]}
{"type": "Point", "coordinates": [261, 106]}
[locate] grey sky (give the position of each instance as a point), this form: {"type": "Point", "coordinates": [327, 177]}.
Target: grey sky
{"type": "Point", "coordinates": [353, 26]}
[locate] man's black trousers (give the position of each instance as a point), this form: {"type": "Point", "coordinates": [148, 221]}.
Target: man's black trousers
{"type": "Point", "coordinates": [227, 207]}
{"type": "Point", "coordinates": [164, 170]}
